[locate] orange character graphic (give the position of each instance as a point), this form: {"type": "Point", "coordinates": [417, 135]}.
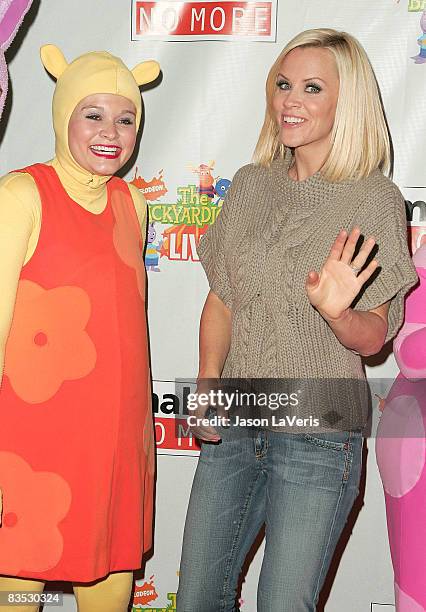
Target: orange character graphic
{"type": "Point", "coordinates": [206, 178]}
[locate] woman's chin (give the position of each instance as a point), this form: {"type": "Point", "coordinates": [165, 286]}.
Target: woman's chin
{"type": "Point", "coordinates": [292, 141]}
{"type": "Point", "coordinates": [104, 167]}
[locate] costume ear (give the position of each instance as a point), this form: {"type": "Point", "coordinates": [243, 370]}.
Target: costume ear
{"type": "Point", "coordinates": [11, 15]}
{"type": "Point", "coordinates": [146, 72]}
{"type": "Point", "coordinates": [53, 60]}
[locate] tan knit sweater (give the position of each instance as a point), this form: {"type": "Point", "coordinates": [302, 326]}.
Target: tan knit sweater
{"type": "Point", "coordinates": [271, 231]}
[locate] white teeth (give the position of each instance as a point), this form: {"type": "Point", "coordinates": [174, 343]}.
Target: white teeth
{"type": "Point", "coordinates": [293, 120]}
{"type": "Point", "coordinates": [105, 149]}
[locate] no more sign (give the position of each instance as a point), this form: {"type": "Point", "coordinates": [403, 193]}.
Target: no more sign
{"type": "Point", "coordinates": [201, 20]}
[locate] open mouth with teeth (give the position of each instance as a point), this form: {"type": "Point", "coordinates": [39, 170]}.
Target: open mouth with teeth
{"type": "Point", "coordinates": [292, 121]}
{"type": "Point", "coordinates": [106, 151]}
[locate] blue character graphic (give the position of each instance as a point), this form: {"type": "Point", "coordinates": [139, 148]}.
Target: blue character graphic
{"type": "Point", "coordinates": [152, 256]}
{"type": "Point", "coordinates": [220, 189]}
{"type": "Point", "coordinates": [421, 41]}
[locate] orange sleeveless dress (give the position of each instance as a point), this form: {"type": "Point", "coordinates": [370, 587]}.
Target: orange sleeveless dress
{"type": "Point", "coordinates": [76, 437]}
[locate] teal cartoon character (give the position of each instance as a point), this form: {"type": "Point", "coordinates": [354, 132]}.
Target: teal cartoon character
{"type": "Point", "coordinates": [421, 41]}
{"type": "Point", "coordinates": [152, 256]}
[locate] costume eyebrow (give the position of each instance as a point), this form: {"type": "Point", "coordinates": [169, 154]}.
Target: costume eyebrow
{"type": "Point", "coordinates": [92, 106]}
{"type": "Point", "coordinates": [313, 78]}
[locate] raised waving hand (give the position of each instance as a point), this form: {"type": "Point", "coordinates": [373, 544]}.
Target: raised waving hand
{"type": "Point", "coordinates": [332, 290]}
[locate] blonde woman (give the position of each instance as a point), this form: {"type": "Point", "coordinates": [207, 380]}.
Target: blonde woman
{"type": "Point", "coordinates": [317, 183]}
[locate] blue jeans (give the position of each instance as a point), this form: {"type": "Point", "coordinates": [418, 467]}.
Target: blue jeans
{"type": "Point", "coordinates": [301, 486]}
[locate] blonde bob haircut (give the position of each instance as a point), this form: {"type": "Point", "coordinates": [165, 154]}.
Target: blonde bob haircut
{"type": "Point", "coordinates": [360, 136]}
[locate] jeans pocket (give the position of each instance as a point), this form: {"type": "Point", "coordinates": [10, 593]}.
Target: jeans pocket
{"type": "Point", "coordinates": [338, 441]}
{"type": "Point", "coordinates": [341, 444]}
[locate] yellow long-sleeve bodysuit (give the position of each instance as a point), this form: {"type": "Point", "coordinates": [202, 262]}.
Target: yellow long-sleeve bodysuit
{"type": "Point", "coordinates": [20, 225]}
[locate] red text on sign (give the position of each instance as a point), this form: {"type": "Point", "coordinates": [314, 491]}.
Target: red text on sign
{"type": "Point", "coordinates": [204, 18]}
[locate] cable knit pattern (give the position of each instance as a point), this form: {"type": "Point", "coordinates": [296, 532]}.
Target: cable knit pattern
{"type": "Point", "coordinates": [271, 232]}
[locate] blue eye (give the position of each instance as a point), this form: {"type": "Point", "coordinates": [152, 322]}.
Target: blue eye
{"type": "Point", "coordinates": [313, 88]}
{"type": "Point", "coordinates": [282, 84]}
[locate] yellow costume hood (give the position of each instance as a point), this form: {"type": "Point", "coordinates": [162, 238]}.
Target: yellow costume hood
{"type": "Point", "coordinates": [98, 72]}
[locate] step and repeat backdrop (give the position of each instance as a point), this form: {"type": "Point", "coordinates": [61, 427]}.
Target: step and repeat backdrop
{"type": "Point", "coordinates": [202, 119]}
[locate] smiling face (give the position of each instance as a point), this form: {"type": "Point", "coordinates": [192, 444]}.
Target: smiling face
{"type": "Point", "coordinates": [102, 133]}
{"type": "Point", "coordinates": [305, 100]}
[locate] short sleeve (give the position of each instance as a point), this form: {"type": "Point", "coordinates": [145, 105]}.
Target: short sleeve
{"type": "Point", "coordinates": [215, 243]}
{"type": "Point", "coordinates": [384, 218]}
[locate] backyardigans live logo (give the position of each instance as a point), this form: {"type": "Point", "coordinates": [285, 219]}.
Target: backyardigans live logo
{"type": "Point", "coordinates": [195, 205]}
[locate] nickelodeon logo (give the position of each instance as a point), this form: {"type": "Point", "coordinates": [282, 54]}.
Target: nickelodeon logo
{"type": "Point", "coordinates": [153, 189]}
{"type": "Point", "coordinates": [145, 593]}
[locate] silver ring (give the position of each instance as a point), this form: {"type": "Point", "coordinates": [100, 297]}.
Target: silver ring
{"type": "Point", "coordinates": [355, 270]}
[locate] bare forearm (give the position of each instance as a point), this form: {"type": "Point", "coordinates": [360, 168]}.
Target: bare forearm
{"type": "Point", "coordinates": [360, 331]}
{"type": "Point", "coordinates": [215, 337]}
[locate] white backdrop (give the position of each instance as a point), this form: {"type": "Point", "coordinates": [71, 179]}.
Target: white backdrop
{"type": "Point", "coordinates": [209, 108]}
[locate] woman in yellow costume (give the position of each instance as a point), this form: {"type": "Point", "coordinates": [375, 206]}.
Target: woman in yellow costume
{"type": "Point", "coordinates": [76, 438]}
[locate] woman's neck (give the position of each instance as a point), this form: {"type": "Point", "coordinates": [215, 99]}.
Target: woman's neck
{"type": "Point", "coordinates": [90, 194]}
{"type": "Point", "coordinates": [306, 162]}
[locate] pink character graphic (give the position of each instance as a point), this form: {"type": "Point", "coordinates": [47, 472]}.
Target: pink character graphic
{"type": "Point", "coordinates": [12, 12]}
{"type": "Point", "coordinates": [400, 450]}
